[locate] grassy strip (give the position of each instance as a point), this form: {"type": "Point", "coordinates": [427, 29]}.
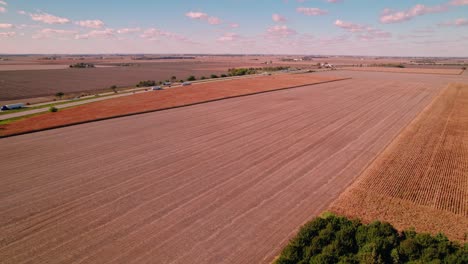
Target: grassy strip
{"type": "Point", "coordinates": [335, 239]}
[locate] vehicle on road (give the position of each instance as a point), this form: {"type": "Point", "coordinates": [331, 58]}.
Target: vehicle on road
{"type": "Point", "coordinates": [186, 83]}
{"type": "Point", "coordinates": [156, 88]}
{"type": "Point", "coordinates": [12, 106]}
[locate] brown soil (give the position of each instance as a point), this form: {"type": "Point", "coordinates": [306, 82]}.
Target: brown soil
{"type": "Point", "coordinates": [421, 179]}
{"type": "Point", "coordinates": [446, 71]}
{"type": "Point", "coordinates": [223, 182]}
{"type": "Point", "coordinates": [156, 100]}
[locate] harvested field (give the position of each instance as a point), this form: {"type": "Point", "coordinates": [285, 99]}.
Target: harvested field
{"type": "Point", "coordinates": [23, 84]}
{"type": "Point", "coordinates": [228, 181]}
{"type": "Point", "coordinates": [161, 100]}
{"type": "Point", "coordinates": [421, 179]}
{"type": "Point", "coordinates": [407, 70]}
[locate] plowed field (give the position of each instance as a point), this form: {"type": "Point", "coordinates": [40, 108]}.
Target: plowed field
{"type": "Point", "coordinates": [161, 100]}
{"type": "Point", "coordinates": [407, 70]}
{"type": "Point", "coordinates": [223, 182]}
{"type": "Point", "coordinates": [421, 180]}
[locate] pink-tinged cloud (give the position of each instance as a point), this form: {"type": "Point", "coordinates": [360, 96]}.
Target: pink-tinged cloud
{"type": "Point", "coordinates": [334, 1]}
{"type": "Point", "coordinates": [391, 16]}
{"type": "Point", "coordinates": [311, 11]}
{"type": "Point", "coordinates": [363, 32]}
{"type": "Point", "coordinates": [90, 23]}
{"type": "Point", "coordinates": [280, 31]}
{"type": "Point", "coordinates": [278, 18]}
{"type": "Point", "coordinates": [459, 2]}
{"type": "Point", "coordinates": [106, 33]}
{"type": "Point", "coordinates": [6, 26]}
{"type": "Point", "coordinates": [351, 27]}
{"type": "Point", "coordinates": [229, 37]}
{"type": "Point", "coordinates": [50, 33]}
{"type": "Point", "coordinates": [196, 15]}
{"type": "Point", "coordinates": [2, 9]}
{"type": "Point", "coordinates": [128, 30]}
{"type": "Point", "coordinates": [7, 34]}
{"type": "Point", "coordinates": [214, 21]}
{"type": "Point", "coordinates": [234, 25]}
{"type": "Point", "coordinates": [155, 34]}
{"type": "Point", "coordinates": [49, 19]}
{"type": "Point", "coordinates": [458, 22]}
{"type": "Point", "coordinates": [3, 3]}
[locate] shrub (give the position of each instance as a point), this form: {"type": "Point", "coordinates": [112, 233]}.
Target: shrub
{"type": "Point", "coordinates": [334, 239]}
{"type": "Point", "coordinates": [214, 76]}
{"type": "Point", "coordinates": [82, 65]}
{"type": "Point", "coordinates": [463, 68]}
{"type": "Point", "coordinates": [146, 83]}
{"type": "Point", "coordinates": [223, 76]}
{"type": "Point", "coordinates": [59, 95]}
{"type": "Point", "coordinates": [203, 78]}
{"type": "Point", "coordinates": [191, 78]}
{"type": "Point", "coordinates": [53, 109]}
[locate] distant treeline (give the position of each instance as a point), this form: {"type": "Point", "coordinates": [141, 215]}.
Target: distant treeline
{"type": "Point", "coordinates": [391, 65]}
{"type": "Point", "coordinates": [247, 71]}
{"type": "Point", "coordinates": [333, 239]}
{"type": "Point", "coordinates": [82, 65]}
{"type": "Point", "coordinates": [164, 58]}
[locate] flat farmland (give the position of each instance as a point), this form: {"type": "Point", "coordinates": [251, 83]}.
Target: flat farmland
{"type": "Point", "coordinates": [23, 84]}
{"type": "Point", "coordinates": [423, 70]}
{"type": "Point", "coordinates": [228, 181]}
{"type": "Point", "coordinates": [156, 100]}
{"type": "Point", "coordinates": [421, 179]}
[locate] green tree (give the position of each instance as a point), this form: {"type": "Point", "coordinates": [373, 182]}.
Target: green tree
{"type": "Point", "coordinates": [59, 95]}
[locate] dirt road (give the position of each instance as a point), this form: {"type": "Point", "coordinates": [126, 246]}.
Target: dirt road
{"type": "Point", "coordinates": [228, 181]}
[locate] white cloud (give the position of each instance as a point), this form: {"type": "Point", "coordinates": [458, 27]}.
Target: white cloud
{"type": "Point", "coordinates": [48, 18]}
{"type": "Point", "coordinates": [311, 11]}
{"type": "Point", "coordinates": [106, 33]}
{"type": "Point", "coordinates": [391, 16]}
{"type": "Point", "coordinates": [7, 34]}
{"type": "Point", "coordinates": [3, 2]}
{"type": "Point", "coordinates": [128, 30]}
{"type": "Point", "coordinates": [50, 32]}
{"type": "Point", "coordinates": [90, 23]}
{"type": "Point", "coordinates": [280, 31]}
{"type": "Point", "coordinates": [196, 15]}
{"type": "Point", "coordinates": [6, 26]}
{"type": "Point", "coordinates": [229, 37]}
{"type": "Point", "coordinates": [363, 32]}
{"type": "Point", "coordinates": [457, 22]}
{"type": "Point", "coordinates": [278, 18]}
{"type": "Point", "coordinates": [155, 34]}
{"type": "Point", "coordinates": [212, 20]}
{"type": "Point", "coordinates": [459, 2]}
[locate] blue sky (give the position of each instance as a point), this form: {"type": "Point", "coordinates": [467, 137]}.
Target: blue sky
{"type": "Point", "coordinates": [342, 27]}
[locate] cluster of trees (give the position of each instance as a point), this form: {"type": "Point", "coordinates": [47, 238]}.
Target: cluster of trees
{"type": "Point", "coordinates": [333, 239]}
{"type": "Point", "coordinates": [247, 71]}
{"type": "Point", "coordinates": [392, 65]}
{"type": "Point", "coordinates": [147, 83]}
{"type": "Point", "coordinates": [82, 65]}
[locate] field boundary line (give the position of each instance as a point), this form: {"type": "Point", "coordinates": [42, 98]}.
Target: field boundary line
{"type": "Point", "coordinates": [168, 108]}
{"type": "Point", "coordinates": [391, 142]}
